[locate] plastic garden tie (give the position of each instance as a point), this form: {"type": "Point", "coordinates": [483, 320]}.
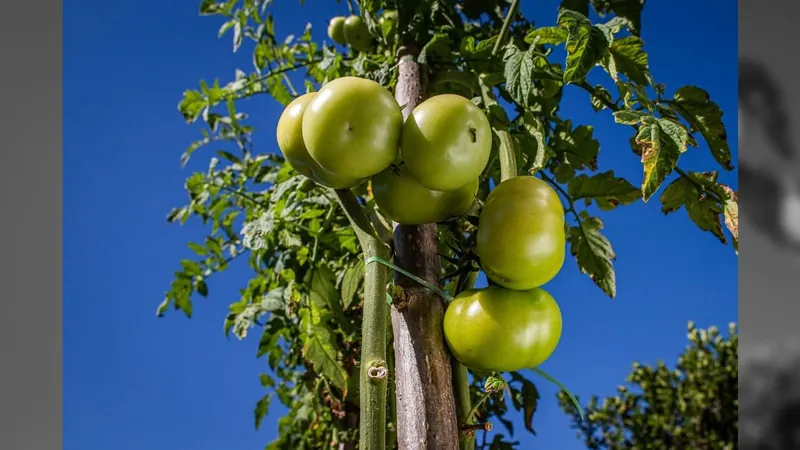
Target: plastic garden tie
{"type": "Point", "coordinates": [549, 378]}
{"type": "Point", "coordinates": [419, 280]}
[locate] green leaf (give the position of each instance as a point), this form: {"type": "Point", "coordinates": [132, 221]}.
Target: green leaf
{"type": "Point", "coordinates": [278, 90]}
{"type": "Point", "coordinates": [661, 142]}
{"type": "Point", "coordinates": [351, 282]}
{"type": "Point", "coordinates": [605, 189]}
{"type": "Point", "coordinates": [538, 154]}
{"type": "Point", "coordinates": [594, 254]}
{"type": "Point", "coordinates": [600, 97]}
{"type": "Point", "coordinates": [323, 291]}
{"type": "Point", "coordinates": [547, 35]}
{"type": "Point", "coordinates": [519, 76]}
{"type": "Point", "coordinates": [630, 117]}
{"type": "Point", "coordinates": [528, 401]}
{"type": "Point", "coordinates": [494, 384]}
{"type": "Point", "coordinates": [471, 49]}
{"type": "Point", "coordinates": [262, 408]}
{"type": "Point", "coordinates": [704, 211]}
{"type": "Point", "coordinates": [198, 249]}
{"type": "Point", "coordinates": [266, 381]}
{"type": "Point", "coordinates": [577, 147]}
{"type": "Point", "coordinates": [320, 347]}
{"type": "Point", "coordinates": [438, 46]}
{"type": "Point", "coordinates": [586, 45]}
{"type": "Point", "coordinates": [705, 116]}
{"type": "Point", "coordinates": [192, 105]}
{"type": "Point", "coordinates": [630, 59]}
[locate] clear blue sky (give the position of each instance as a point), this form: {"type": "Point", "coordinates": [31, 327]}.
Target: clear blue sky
{"type": "Point", "coordinates": [135, 382]}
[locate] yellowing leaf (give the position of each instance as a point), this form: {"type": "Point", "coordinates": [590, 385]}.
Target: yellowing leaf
{"type": "Point", "coordinates": [594, 254]}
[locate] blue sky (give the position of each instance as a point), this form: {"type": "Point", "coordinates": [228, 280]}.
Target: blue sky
{"type": "Point", "coordinates": [135, 382]}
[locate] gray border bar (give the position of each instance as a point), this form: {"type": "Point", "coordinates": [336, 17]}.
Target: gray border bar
{"type": "Point", "coordinates": [31, 223]}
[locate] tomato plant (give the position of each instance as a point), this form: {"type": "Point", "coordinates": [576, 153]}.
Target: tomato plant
{"type": "Point", "coordinates": [352, 127]}
{"type": "Point", "coordinates": [446, 142]}
{"type": "Point", "coordinates": [494, 85]}
{"type": "Point", "coordinates": [498, 329]}
{"type": "Point", "coordinates": [401, 198]}
{"type": "Point", "coordinates": [290, 142]}
{"type": "Point", "coordinates": [521, 239]}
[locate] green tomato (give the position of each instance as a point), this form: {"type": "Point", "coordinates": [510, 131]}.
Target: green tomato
{"type": "Point", "coordinates": [290, 142]}
{"type": "Point", "coordinates": [357, 34]}
{"type": "Point", "coordinates": [403, 200]}
{"type": "Point", "coordinates": [521, 240]}
{"type": "Point", "coordinates": [502, 330]}
{"type": "Point", "coordinates": [352, 127]}
{"type": "Point", "coordinates": [336, 30]}
{"type": "Point", "coordinates": [388, 24]}
{"type": "Point", "coordinates": [446, 142]}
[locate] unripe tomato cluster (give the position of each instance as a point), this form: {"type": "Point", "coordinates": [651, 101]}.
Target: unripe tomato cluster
{"type": "Point", "coordinates": [354, 32]}
{"type": "Point", "coordinates": [426, 170]}
{"type": "Point", "coordinates": [513, 324]}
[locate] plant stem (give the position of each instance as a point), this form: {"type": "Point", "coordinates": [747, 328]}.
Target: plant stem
{"type": "Point", "coordinates": [512, 11]}
{"type": "Point", "coordinates": [461, 383]}
{"type": "Point", "coordinates": [508, 148]}
{"type": "Point", "coordinates": [374, 373]}
{"type": "Point", "coordinates": [508, 156]}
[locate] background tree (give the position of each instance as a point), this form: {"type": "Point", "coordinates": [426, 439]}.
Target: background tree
{"type": "Point", "coordinates": [693, 405]}
{"type": "Point", "coordinates": [312, 296]}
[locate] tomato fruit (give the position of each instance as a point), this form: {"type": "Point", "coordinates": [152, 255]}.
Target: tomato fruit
{"type": "Point", "coordinates": [446, 142]}
{"type": "Point", "coordinates": [402, 199]}
{"type": "Point", "coordinates": [357, 34]}
{"type": "Point", "coordinates": [521, 240]}
{"type": "Point", "coordinates": [388, 24]}
{"type": "Point", "coordinates": [336, 30]}
{"type": "Point", "coordinates": [502, 330]}
{"type": "Point", "coordinates": [290, 142]}
{"type": "Point", "coordinates": [352, 127]}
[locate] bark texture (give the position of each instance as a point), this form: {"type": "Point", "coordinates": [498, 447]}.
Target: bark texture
{"type": "Point", "coordinates": [426, 413]}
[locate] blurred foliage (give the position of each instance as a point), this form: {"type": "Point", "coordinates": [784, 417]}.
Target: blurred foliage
{"type": "Point", "coordinates": [694, 405]}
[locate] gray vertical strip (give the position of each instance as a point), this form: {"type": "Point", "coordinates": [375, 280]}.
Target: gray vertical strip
{"type": "Point", "coordinates": [769, 268]}
{"type": "Point", "coordinates": [30, 222]}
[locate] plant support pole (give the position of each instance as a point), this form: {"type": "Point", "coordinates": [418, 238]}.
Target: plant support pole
{"type": "Point", "coordinates": [426, 413]}
{"type": "Point", "coordinates": [374, 373]}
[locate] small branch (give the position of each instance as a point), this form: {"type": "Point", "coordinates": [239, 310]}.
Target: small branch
{"type": "Point", "coordinates": [483, 397]}
{"type": "Point", "coordinates": [570, 200]}
{"type": "Point", "coordinates": [466, 441]}
{"type": "Point", "coordinates": [374, 373]}
{"type": "Point", "coordinates": [512, 11]}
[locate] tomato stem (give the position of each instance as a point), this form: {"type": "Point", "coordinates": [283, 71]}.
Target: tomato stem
{"type": "Point", "coordinates": [374, 374]}
{"type": "Point", "coordinates": [466, 441]}
{"type": "Point", "coordinates": [512, 11]}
